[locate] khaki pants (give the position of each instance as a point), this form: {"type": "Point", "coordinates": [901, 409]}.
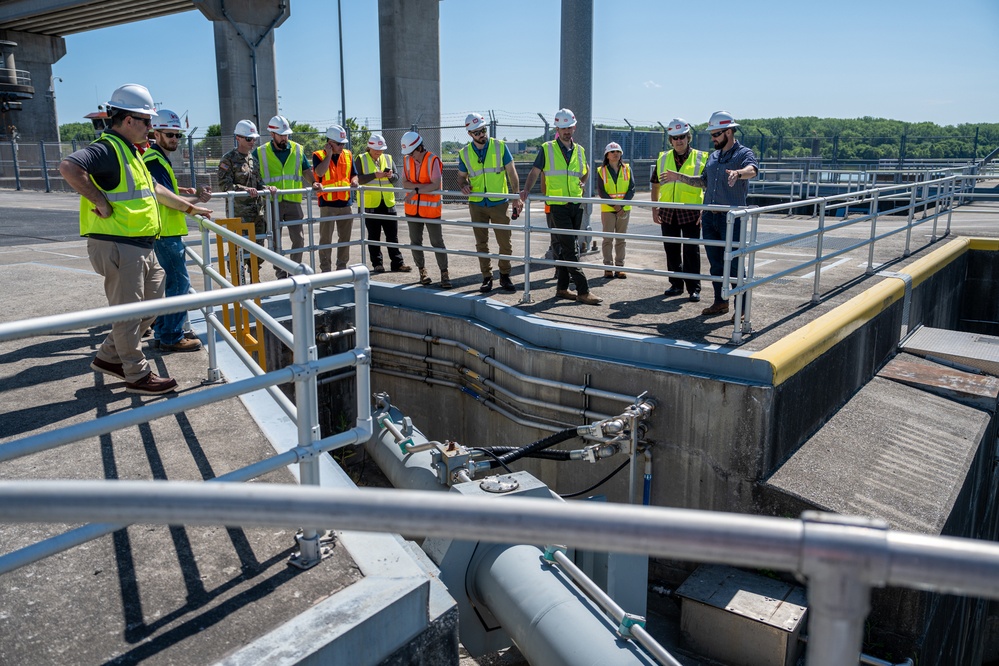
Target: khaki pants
{"type": "Point", "coordinates": [493, 215]}
{"type": "Point", "coordinates": [436, 232]}
{"type": "Point", "coordinates": [131, 275]}
{"type": "Point", "coordinates": [343, 230]}
{"type": "Point", "coordinates": [613, 248]}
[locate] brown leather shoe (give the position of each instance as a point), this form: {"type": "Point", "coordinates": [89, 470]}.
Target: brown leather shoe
{"type": "Point", "coordinates": [716, 308]}
{"type": "Point", "coordinates": [151, 384]}
{"type": "Point", "coordinates": [608, 275]}
{"type": "Point", "coordinates": [402, 268]}
{"type": "Point", "coordinates": [588, 299]}
{"type": "Point", "coordinates": [108, 368]}
{"type": "Point", "coordinates": [621, 275]}
{"type": "Point", "coordinates": [566, 294]}
{"type": "Point", "coordinates": [184, 345]}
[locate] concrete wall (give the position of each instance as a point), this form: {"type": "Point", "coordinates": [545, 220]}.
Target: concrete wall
{"type": "Point", "coordinates": [37, 120]}
{"type": "Point", "coordinates": [979, 306]}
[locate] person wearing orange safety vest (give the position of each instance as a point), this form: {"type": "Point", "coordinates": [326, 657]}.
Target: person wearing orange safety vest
{"type": "Point", "coordinates": [421, 174]}
{"type": "Point", "coordinates": [333, 166]}
{"type": "Point", "coordinates": [614, 181]}
{"type": "Point", "coordinates": [680, 222]}
{"type": "Point", "coordinates": [119, 216]}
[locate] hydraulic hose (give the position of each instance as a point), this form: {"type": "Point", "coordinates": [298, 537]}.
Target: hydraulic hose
{"type": "Point", "coordinates": [547, 442]}
{"type": "Point", "coordinates": [546, 455]}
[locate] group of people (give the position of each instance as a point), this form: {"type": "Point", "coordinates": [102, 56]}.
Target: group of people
{"type": "Point", "coordinates": [132, 210]}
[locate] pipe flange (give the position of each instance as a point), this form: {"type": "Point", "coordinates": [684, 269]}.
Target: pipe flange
{"type": "Point", "coordinates": [499, 484]}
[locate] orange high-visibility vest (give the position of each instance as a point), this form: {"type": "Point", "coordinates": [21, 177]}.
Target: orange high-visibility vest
{"type": "Point", "coordinates": [420, 204]}
{"type": "Point", "coordinates": [337, 175]}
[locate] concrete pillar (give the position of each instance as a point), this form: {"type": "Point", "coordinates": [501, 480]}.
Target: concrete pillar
{"type": "Point", "coordinates": [37, 121]}
{"type": "Point", "coordinates": [576, 72]}
{"type": "Point", "coordinates": [244, 56]}
{"type": "Point", "coordinates": [409, 36]}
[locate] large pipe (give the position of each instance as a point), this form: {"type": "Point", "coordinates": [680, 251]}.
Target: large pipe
{"type": "Point", "coordinates": [548, 618]}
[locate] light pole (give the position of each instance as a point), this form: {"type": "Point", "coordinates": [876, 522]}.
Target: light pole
{"type": "Point", "coordinates": [55, 109]}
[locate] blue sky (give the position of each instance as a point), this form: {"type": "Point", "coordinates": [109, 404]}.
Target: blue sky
{"type": "Point", "coordinates": [653, 60]}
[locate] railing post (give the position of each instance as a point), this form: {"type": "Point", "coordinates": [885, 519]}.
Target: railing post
{"type": "Point", "coordinates": [950, 202]}
{"type": "Point", "coordinates": [311, 221]}
{"type": "Point", "coordinates": [526, 298]}
{"type": "Point", "coordinates": [45, 167]}
{"type": "Point", "coordinates": [17, 169]}
{"type": "Point", "coordinates": [362, 221]}
{"type": "Point", "coordinates": [727, 276]}
{"type": "Point", "coordinates": [818, 251]}
{"type": "Point", "coordinates": [214, 374]}
{"type": "Point", "coordinates": [750, 274]}
{"type": "Point", "coordinates": [908, 222]}
{"type": "Point", "coordinates": [190, 158]}
{"type": "Point", "coordinates": [874, 232]}
{"type": "Point", "coordinates": [275, 222]}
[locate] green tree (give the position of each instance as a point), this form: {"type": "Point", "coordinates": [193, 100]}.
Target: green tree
{"type": "Point", "coordinates": [77, 132]}
{"type": "Point", "coordinates": [359, 135]}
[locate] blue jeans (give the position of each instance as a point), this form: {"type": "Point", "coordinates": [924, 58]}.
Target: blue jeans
{"type": "Point", "coordinates": [169, 328]}
{"type": "Point", "coordinates": [713, 228]}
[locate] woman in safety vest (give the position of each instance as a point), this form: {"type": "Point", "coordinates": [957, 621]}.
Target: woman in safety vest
{"type": "Point", "coordinates": [614, 182]}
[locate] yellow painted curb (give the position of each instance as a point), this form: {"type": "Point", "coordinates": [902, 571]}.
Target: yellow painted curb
{"type": "Point", "coordinates": [796, 350]}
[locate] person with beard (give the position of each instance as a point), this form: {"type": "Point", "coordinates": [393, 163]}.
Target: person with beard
{"type": "Point", "coordinates": [724, 183]}
{"type": "Point", "coordinates": [169, 247]}
{"type": "Point", "coordinates": [486, 165]}
{"type": "Point", "coordinates": [285, 165]}
{"type": "Point", "coordinates": [680, 222]}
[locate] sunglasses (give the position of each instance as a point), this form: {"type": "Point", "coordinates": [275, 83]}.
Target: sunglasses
{"type": "Point", "coordinates": [682, 137]}
{"type": "Point", "coordinates": [172, 135]}
{"type": "Point", "coordinates": [478, 132]}
{"type": "Point", "coordinates": [148, 122]}
{"type": "Point", "coordinates": [251, 139]}
{"type": "Point", "coordinates": [715, 135]}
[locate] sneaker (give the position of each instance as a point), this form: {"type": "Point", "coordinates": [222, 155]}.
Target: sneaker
{"type": "Point", "coordinates": [588, 299]}
{"type": "Point", "coordinates": [108, 368]}
{"type": "Point", "coordinates": [487, 285]}
{"type": "Point", "coordinates": [695, 297]}
{"type": "Point", "coordinates": [445, 280]}
{"type": "Point", "coordinates": [402, 268]}
{"type": "Point", "coordinates": [424, 278]}
{"type": "Point", "coordinates": [721, 307]}
{"type": "Point", "coordinates": [566, 294]}
{"type": "Point", "coordinates": [378, 269]}
{"type": "Point", "coordinates": [151, 384]}
{"type": "Point", "coordinates": [184, 345]}
{"type": "Point", "coordinates": [506, 284]}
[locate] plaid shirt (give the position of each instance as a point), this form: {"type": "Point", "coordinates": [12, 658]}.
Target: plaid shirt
{"type": "Point", "coordinates": [678, 216]}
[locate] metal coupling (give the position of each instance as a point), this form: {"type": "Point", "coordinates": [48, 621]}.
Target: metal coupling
{"type": "Point", "coordinates": [303, 372]}
{"type": "Point", "coordinates": [627, 622]}
{"type": "Point", "coordinates": [549, 554]}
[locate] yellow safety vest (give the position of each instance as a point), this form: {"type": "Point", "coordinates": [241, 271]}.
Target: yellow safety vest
{"type": "Point", "coordinates": [615, 189]}
{"type": "Point", "coordinates": [287, 176]}
{"type": "Point", "coordinates": [489, 174]}
{"type": "Point", "coordinates": [692, 166]}
{"type": "Point", "coordinates": [561, 177]}
{"type": "Point", "coordinates": [173, 222]}
{"type": "Point", "coordinates": [368, 166]}
{"type": "Point", "coordinates": [133, 201]}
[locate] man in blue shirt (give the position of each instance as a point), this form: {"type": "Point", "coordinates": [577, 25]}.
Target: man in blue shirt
{"type": "Point", "coordinates": [724, 182]}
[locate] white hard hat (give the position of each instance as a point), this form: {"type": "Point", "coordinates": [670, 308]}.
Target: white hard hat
{"type": "Point", "coordinates": [336, 133]}
{"type": "Point", "coordinates": [564, 118]}
{"type": "Point", "coordinates": [246, 128]}
{"type": "Point", "coordinates": [721, 120]}
{"type": "Point", "coordinates": [678, 127]}
{"type": "Point", "coordinates": [410, 142]}
{"type": "Point", "coordinates": [474, 121]}
{"type": "Point", "coordinates": [167, 120]}
{"type": "Point", "coordinates": [613, 146]}
{"type": "Point", "coordinates": [279, 125]}
{"type": "Point", "coordinates": [377, 142]}
{"type": "Point", "coordinates": [133, 97]}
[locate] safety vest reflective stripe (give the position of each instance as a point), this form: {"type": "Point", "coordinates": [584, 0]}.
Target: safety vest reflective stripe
{"type": "Point", "coordinates": [337, 175]}
{"type": "Point", "coordinates": [173, 222]}
{"type": "Point", "coordinates": [615, 189]}
{"type": "Point", "coordinates": [287, 176]}
{"type": "Point", "coordinates": [134, 211]}
{"type": "Point", "coordinates": [562, 179]}
{"type": "Point", "coordinates": [483, 178]}
{"type": "Point", "coordinates": [420, 204]}
{"type": "Point", "coordinates": [692, 166]}
{"type": "Point", "coordinates": [372, 198]}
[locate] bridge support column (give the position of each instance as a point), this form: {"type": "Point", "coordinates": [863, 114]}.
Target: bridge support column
{"type": "Point", "coordinates": [576, 76]}
{"type": "Point", "coordinates": [409, 36]}
{"type": "Point", "coordinates": [244, 55]}
{"type": "Point", "coordinates": [37, 120]}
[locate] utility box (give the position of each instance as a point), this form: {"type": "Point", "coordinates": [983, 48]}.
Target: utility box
{"type": "Point", "coordinates": [760, 618]}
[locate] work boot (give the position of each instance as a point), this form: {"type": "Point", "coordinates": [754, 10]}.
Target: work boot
{"type": "Point", "coordinates": [377, 268]}
{"type": "Point", "coordinates": [506, 284]}
{"type": "Point", "coordinates": [487, 284]}
{"type": "Point", "coordinates": [151, 384]}
{"type": "Point", "coordinates": [424, 278]}
{"type": "Point", "coordinates": [402, 268]}
{"type": "Point", "coordinates": [183, 345]}
{"type": "Point", "coordinates": [588, 299]}
{"type": "Point", "coordinates": [445, 280]}
{"type": "Point", "coordinates": [719, 307]}
{"type": "Point", "coordinates": [108, 368]}
{"type": "Point", "coordinates": [566, 294]}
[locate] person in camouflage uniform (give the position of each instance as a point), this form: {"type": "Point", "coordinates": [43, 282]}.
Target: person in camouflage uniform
{"type": "Point", "coordinates": [240, 172]}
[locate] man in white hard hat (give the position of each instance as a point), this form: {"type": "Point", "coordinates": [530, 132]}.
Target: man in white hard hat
{"type": "Point", "coordinates": [486, 165]}
{"type": "Point", "coordinates": [680, 222]}
{"type": "Point", "coordinates": [422, 173]}
{"type": "Point", "coordinates": [563, 162]}
{"type": "Point", "coordinates": [724, 183]}
{"type": "Point", "coordinates": [169, 328]}
{"type": "Point", "coordinates": [375, 167]}
{"type": "Point", "coordinates": [239, 171]}
{"type": "Point", "coordinates": [285, 166]}
{"type": "Point", "coordinates": [120, 218]}
{"type": "Point", "coordinates": [333, 168]}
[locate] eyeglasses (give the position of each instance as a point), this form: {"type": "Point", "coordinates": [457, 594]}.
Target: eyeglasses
{"type": "Point", "coordinates": [251, 139]}
{"type": "Point", "coordinates": [682, 137]}
{"type": "Point", "coordinates": [715, 135]}
{"type": "Point", "coordinates": [148, 122]}
{"type": "Point", "coordinates": [478, 132]}
{"type": "Point", "coordinates": [172, 135]}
